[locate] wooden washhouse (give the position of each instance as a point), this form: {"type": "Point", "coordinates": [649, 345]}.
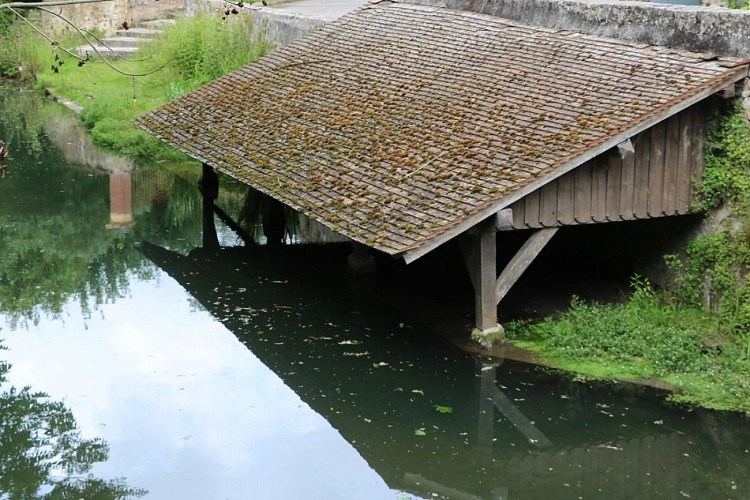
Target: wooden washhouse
{"type": "Point", "coordinates": [403, 126]}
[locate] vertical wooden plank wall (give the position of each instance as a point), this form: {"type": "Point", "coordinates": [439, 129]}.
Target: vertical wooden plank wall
{"type": "Point", "coordinates": [654, 182]}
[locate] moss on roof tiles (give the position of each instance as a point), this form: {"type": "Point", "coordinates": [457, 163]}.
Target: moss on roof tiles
{"type": "Point", "coordinates": [396, 122]}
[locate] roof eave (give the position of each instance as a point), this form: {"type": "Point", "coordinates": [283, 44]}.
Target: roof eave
{"type": "Point", "coordinates": [421, 249]}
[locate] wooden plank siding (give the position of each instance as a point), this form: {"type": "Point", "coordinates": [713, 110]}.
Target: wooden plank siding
{"type": "Point", "coordinates": [655, 181]}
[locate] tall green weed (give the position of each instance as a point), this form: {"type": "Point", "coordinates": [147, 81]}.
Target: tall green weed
{"type": "Point", "coordinates": [20, 49]}
{"type": "Point", "coordinates": [194, 51]}
{"type": "Point", "coordinates": [205, 47]}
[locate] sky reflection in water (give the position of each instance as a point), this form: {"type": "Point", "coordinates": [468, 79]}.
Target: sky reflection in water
{"type": "Point", "coordinates": [188, 411]}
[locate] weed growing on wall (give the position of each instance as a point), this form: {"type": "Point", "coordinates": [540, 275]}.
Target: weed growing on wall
{"type": "Point", "coordinates": [715, 266]}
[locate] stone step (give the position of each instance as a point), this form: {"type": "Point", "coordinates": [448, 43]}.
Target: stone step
{"type": "Point", "coordinates": [157, 24]}
{"type": "Point", "coordinates": [109, 53]}
{"type": "Point", "coordinates": [124, 41]}
{"type": "Point", "coordinates": [140, 32]}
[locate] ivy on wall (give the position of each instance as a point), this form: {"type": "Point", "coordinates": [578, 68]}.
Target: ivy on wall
{"type": "Point", "coordinates": [715, 266]}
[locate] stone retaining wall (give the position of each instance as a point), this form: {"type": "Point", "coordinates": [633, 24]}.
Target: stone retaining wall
{"type": "Point", "coordinates": [714, 30]}
{"type": "Point", "coordinates": [275, 29]}
{"type": "Point", "coordinates": [702, 29]}
{"type": "Point", "coordinates": [107, 16]}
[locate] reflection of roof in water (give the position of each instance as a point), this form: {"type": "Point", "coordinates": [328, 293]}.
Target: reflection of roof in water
{"type": "Point", "coordinates": [399, 124]}
{"type": "Point", "coordinates": [378, 382]}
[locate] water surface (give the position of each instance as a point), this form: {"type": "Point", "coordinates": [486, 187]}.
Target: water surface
{"type": "Point", "coordinates": [252, 371]}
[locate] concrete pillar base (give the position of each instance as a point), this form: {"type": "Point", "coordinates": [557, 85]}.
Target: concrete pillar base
{"type": "Point", "coordinates": [489, 337]}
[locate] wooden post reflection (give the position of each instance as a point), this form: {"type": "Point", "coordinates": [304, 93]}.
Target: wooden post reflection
{"type": "Point", "coordinates": [209, 188]}
{"type": "Point", "coordinates": [120, 201]}
{"type": "Point", "coordinates": [486, 432]}
{"type": "Point", "coordinates": [491, 398]}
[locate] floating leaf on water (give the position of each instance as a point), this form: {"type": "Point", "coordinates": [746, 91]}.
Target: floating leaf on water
{"type": "Point", "coordinates": [420, 432]}
{"type": "Point", "coordinates": [609, 447]}
{"type": "Point", "coordinates": [418, 391]}
{"type": "Point", "coordinates": [444, 409]}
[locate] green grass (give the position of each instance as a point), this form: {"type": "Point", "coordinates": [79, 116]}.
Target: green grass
{"type": "Point", "coordinates": [646, 337]}
{"type": "Point", "coordinates": [195, 51]}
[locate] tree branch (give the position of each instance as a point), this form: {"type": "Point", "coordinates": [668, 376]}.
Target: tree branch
{"type": "Point", "coordinates": [83, 33]}
{"type": "Point", "coordinates": [32, 5]}
{"type": "Point", "coordinates": [41, 6]}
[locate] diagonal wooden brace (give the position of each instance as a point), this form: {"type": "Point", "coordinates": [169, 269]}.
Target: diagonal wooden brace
{"type": "Point", "coordinates": [479, 252]}
{"type": "Point", "coordinates": [521, 261]}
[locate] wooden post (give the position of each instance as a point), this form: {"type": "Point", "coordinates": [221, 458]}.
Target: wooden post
{"type": "Point", "coordinates": [360, 262]}
{"type": "Point", "coordinates": [209, 188]}
{"type": "Point", "coordinates": [485, 310]}
{"type": "Point", "coordinates": [209, 183]}
{"type": "Point", "coordinates": [479, 253]}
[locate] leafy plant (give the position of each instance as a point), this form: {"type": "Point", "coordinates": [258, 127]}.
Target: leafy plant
{"type": "Point", "coordinates": [650, 335]}
{"type": "Point", "coordinates": [738, 4]}
{"type": "Point", "coordinates": [713, 269]}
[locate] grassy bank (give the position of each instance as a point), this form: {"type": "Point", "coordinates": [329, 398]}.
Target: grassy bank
{"type": "Point", "coordinates": [647, 337]}
{"type": "Point", "coordinates": [192, 53]}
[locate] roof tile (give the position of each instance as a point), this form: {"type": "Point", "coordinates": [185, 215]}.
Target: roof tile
{"type": "Point", "coordinates": [397, 121]}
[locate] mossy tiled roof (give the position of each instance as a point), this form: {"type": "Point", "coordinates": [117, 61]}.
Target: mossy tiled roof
{"type": "Point", "coordinates": [399, 125]}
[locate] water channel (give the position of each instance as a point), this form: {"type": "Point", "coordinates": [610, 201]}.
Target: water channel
{"type": "Point", "coordinates": [173, 369]}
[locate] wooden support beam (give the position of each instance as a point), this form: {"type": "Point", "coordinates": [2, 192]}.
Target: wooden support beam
{"type": "Point", "coordinates": [626, 149]}
{"type": "Point", "coordinates": [466, 244]}
{"type": "Point", "coordinates": [209, 182]}
{"type": "Point", "coordinates": [521, 261]}
{"type": "Point", "coordinates": [479, 252]}
{"type": "Point", "coordinates": [504, 219]}
{"type": "Point", "coordinates": [728, 92]}
{"type": "Point", "coordinates": [209, 188]}
{"type": "Point", "coordinates": [485, 305]}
